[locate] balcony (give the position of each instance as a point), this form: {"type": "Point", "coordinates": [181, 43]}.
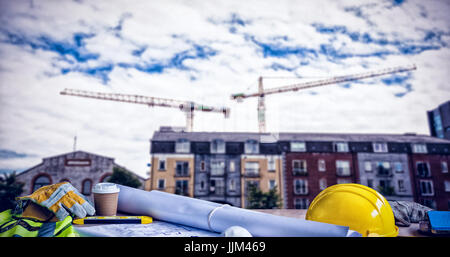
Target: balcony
{"type": "Point", "coordinates": [299, 171]}
{"type": "Point", "coordinates": [182, 173]}
{"type": "Point", "coordinates": [251, 173]}
{"type": "Point", "coordinates": [383, 172]}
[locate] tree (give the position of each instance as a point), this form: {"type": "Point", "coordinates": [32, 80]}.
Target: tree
{"type": "Point", "coordinates": [9, 190]}
{"type": "Point", "coordinates": [124, 177]}
{"type": "Point", "coordinates": [259, 200]}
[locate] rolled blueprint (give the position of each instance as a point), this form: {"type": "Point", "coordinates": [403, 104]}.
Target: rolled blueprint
{"type": "Point", "coordinates": [217, 217]}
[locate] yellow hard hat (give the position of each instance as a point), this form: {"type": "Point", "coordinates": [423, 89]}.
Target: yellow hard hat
{"type": "Point", "coordinates": [356, 206]}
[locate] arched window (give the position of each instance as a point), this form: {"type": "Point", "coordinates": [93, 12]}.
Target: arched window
{"type": "Point", "coordinates": [40, 181]}
{"type": "Point", "coordinates": [105, 177]}
{"type": "Point", "coordinates": [86, 187]}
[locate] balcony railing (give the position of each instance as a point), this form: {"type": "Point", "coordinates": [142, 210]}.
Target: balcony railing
{"type": "Point", "coordinates": [251, 172]}
{"type": "Point", "coordinates": [299, 171]}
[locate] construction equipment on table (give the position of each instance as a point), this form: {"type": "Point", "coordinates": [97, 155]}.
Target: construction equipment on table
{"type": "Point", "coordinates": [436, 223]}
{"type": "Point", "coordinates": [217, 217]}
{"type": "Point", "coordinates": [360, 207]}
{"type": "Point", "coordinates": [306, 85]}
{"type": "Point", "coordinates": [407, 212]}
{"type": "Point", "coordinates": [188, 107]}
{"type": "Point", "coordinates": [60, 199]}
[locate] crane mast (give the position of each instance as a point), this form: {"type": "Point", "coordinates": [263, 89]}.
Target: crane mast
{"type": "Point", "coordinates": [305, 85]}
{"type": "Point", "coordinates": [188, 107]}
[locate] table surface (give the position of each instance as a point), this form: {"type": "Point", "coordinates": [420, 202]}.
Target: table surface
{"type": "Point", "coordinates": [411, 231]}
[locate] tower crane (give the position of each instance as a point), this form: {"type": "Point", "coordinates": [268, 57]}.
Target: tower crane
{"type": "Point", "coordinates": [188, 107]}
{"type": "Point", "coordinates": [305, 85]}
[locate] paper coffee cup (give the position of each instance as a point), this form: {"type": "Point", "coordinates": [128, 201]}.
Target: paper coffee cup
{"type": "Point", "coordinates": [105, 199]}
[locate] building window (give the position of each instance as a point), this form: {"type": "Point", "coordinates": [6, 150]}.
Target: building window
{"type": "Point", "coordinates": [426, 187]}
{"type": "Point", "coordinates": [232, 166]}
{"type": "Point", "coordinates": [341, 147]}
{"type": "Point", "coordinates": [232, 185]}
{"type": "Point", "coordinates": [86, 188]}
{"type": "Point", "coordinates": [182, 146]}
{"type": "Point", "coordinates": [181, 187]}
{"type": "Point", "coordinates": [322, 183]}
{"type": "Point", "coordinates": [251, 169]}
{"type": "Point", "coordinates": [342, 168]}
{"type": "Point", "coordinates": [182, 169]}
{"type": "Point", "coordinates": [322, 165]}
{"type": "Point", "coordinates": [444, 167]}
{"type": "Point", "coordinates": [438, 128]}
{"type": "Point", "coordinates": [251, 147]}
{"type": "Point", "coordinates": [419, 148]}
{"type": "Point", "coordinates": [429, 203]}
{"type": "Point", "coordinates": [162, 165]}
{"type": "Point", "coordinates": [423, 169]}
{"type": "Point", "coordinates": [447, 186]}
{"type": "Point", "coordinates": [370, 183]}
{"type": "Point", "coordinates": [272, 184]}
{"type": "Point", "coordinates": [217, 168]}
{"type": "Point", "coordinates": [202, 166]}
{"type": "Point", "coordinates": [398, 167]}
{"type": "Point", "coordinates": [401, 185]}
{"type": "Point", "coordinates": [249, 184]}
{"type": "Point", "coordinates": [368, 166]}
{"type": "Point", "coordinates": [301, 203]}
{"type": "Point", "coordinates": [161, 183]}
{"type": "Point", "coordinates": [380, 147]}
{"type": "Point", "coordinates": [218, 146]}
{"type": "Point", "coordinates": [383, 168]}
{"type": "Point", "coordinates": [298, 147]}
{"type": "Point", "coordinates": [385, 187]}
{"type": "Point", "coordinates": [216, 186]}
{"type": "Point", "coordinates": [300, 186]}
{"type": "Point", "coordinates": [271, 163]}
{"type": "Point", "coordinates": [42, 180]}
{"type": "Point", "coordinates": [299, 167]}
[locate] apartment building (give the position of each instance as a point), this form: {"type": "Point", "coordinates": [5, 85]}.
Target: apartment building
{"type": "Point", "coordinates": [220, 166]}
{"type": "Point", "coordinates": [214, 166]}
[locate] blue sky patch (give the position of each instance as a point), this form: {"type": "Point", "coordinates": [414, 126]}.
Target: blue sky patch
{"type": "Point", "coordinates": [406, 47]}
{"type": "Point", "coordinates": [9, 154]}
{"type": "Point", "coordinates": [279, 51]}
{"type": "Point", "coordinates": [74, 47]}
{"type": "Point", "coordinates": [174, 62]}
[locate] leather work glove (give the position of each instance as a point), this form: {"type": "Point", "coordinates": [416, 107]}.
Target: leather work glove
{"type": "Point", "coordinates": [406, 212]}
{"type": "Point", "coordinates": [61, 199]}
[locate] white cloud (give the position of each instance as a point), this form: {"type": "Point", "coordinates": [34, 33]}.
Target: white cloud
{"type": "Point", "coordinates": [36, 120]}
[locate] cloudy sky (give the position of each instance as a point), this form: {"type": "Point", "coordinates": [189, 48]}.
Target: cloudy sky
{"type": "Point", "coordinates": [204, 51]}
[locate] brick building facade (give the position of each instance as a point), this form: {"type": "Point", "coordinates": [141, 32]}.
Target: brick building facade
{"type": "Point", "coordinates": [400, 166]}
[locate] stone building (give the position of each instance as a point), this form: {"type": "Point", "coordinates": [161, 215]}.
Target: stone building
{"type": "Point", "coordinates": [82, 169]}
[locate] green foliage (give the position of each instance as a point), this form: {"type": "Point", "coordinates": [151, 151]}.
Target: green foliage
{"type": "Point", "coordinates": [9, 190]}
{"type": "Point", "coordinates": [123, 177]}
{"type": "Point", "coordinates": [259, 200]}
{"type": "Point", "coordinates": [386, 191]}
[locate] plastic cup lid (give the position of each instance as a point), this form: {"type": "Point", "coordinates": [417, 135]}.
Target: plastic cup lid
{"type": "Point", "coordinates": [105, 188]}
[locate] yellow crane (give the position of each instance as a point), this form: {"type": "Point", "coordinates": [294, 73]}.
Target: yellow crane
{"type": "Point", "coordinates": [305, 85]}
{"type": "Point", "coordinates": [188, 107]}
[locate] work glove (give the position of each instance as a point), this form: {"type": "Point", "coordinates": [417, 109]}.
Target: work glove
{"type": "Point", "coordinates": [61, 199]}
{"type": "Point", "coordinates": [406, 212]}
